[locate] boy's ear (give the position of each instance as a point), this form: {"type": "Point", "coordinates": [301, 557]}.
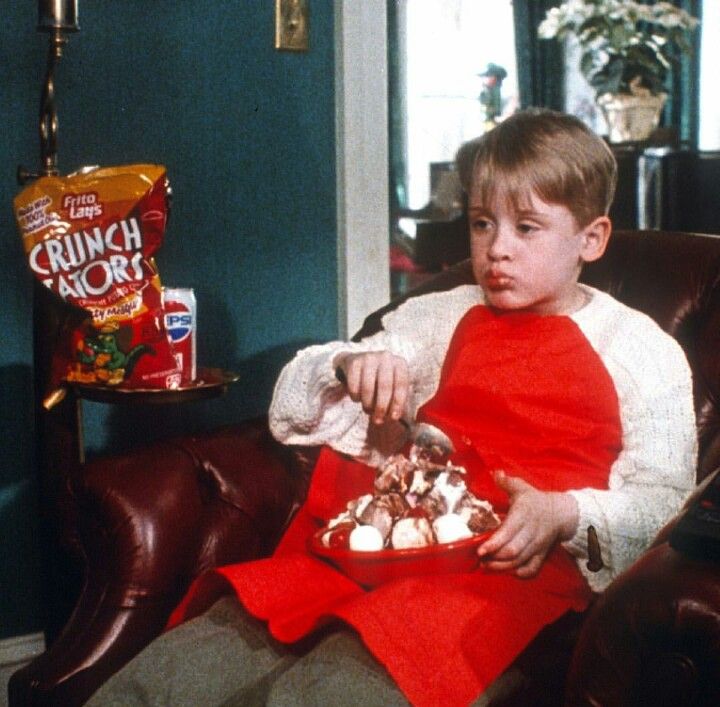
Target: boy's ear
{"type": "Point", "coordinates": [595, 239]}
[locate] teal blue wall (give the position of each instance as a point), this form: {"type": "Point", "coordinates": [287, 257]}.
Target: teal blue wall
{"type": "Point", "coordinates": [247, 135]}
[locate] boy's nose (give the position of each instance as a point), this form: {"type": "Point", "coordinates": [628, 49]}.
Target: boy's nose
{"type": "Point", "coordinates": [500, 245]}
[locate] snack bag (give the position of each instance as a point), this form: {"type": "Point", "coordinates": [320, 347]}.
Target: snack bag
{"type": "Point", "coordinates": [89, 238]}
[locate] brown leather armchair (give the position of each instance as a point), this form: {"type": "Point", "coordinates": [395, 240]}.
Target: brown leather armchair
{"type": "Point", "coordinates": [150, 521]}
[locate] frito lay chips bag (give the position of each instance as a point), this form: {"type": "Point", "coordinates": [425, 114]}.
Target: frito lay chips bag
{"type": "Point", "coordinates": [89, 238]}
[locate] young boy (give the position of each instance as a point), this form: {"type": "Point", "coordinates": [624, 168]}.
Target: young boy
{"type": "Point", "coordinates": [567, 409]}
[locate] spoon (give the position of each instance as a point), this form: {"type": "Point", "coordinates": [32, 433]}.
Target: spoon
{"type": "Point", "coordinates": [426, 437]}
{"type": "Point", "coordinates": [432, 440]}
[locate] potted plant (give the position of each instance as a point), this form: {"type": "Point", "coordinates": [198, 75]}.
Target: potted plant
{"type": "Point", "coordinates": [627, 50]}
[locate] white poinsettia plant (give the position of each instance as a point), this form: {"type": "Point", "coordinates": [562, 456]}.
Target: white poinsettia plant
{"type": "Point", "coordinates": [626, 46]}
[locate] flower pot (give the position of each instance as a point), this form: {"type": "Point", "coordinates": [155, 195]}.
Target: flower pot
{"type": "Point", "coordinates": [631, 118]}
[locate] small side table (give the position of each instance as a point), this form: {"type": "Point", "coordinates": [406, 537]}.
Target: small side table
{"type": "Point", "coordinates": [210, 383]}
{"type": "Point", "coordinates": [61, 452]}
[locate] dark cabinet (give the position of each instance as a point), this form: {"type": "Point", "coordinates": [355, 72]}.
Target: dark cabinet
{"type": "Point", "coordinates": [624, 209]}
{"type": "Point", "coordinates": [667, 188]}
{"type": "Point", "coordinates": [679, 190]}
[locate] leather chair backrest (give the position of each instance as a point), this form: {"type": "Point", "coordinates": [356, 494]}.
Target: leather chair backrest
{"type": "Point", "coordinates": [674, 278]}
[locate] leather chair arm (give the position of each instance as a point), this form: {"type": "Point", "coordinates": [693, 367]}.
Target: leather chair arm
{"type": "Point", "coordinates": [666, 530]}
{"type": "Point", "coordinates": [149, 523]}
{"type": "Point", "coordinates": [652, 638]}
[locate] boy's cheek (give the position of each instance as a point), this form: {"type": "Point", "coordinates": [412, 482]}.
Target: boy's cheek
{"type": "Point", "coordinates": [479, 264]}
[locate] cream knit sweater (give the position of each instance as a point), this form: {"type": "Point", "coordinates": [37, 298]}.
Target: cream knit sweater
{"type": "Point", "coordinates": [649, 480]}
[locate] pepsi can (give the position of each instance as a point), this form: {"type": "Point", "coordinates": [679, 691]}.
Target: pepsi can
{"type": "Point", "coordinates": [180, 310]}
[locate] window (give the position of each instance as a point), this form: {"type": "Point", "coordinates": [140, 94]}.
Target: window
{"type": "Point", "coordinates": [709, 137]}
{"type": "Point", "coordinates": [444, 47]}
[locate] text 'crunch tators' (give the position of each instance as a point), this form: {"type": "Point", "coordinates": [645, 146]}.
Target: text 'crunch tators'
{"type": "Point", "coordinates": [89, 238]}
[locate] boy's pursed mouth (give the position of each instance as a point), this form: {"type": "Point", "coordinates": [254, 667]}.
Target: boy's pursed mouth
{"type": "Point", "coordinates": [498, 280]}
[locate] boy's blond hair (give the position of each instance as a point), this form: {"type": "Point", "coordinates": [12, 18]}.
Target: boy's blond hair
{"type": "Point", "coordinates": [552, 154]}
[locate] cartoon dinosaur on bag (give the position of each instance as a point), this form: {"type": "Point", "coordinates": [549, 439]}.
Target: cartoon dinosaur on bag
{"type": "Point", "coordinates": [104, 354]}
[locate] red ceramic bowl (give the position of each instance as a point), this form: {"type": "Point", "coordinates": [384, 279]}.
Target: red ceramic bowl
{"type": "Point", "coordinates": [371, 569]}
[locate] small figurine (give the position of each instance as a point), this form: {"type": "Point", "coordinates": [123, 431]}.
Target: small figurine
{"type": "Point", "coordinates": [490, 97]}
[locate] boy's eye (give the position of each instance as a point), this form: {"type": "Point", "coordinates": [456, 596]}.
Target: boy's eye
{"type": "Point", "coordinates": [526, 228]}
{"type": "Point", "coordinates": [480, 224]}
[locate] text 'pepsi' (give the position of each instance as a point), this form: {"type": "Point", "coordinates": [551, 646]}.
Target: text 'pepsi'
{"type": "Point", "coordinates": [180, 311]}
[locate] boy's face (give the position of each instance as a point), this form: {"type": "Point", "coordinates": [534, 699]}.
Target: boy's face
{"type": "Point", "coordinates": [530, 258]}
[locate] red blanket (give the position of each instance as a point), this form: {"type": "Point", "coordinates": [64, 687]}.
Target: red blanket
{"type": "Point", "coordinates": [520, 392]}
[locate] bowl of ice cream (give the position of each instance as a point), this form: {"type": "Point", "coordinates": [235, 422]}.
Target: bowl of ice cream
{"type": "Point", "coordinates": [419, 519]}
{"type": "Point", "coordinates": [376, 567]}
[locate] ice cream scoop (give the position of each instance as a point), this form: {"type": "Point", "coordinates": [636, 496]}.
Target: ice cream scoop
{"type": "Point", "coordinates": [412, 532]}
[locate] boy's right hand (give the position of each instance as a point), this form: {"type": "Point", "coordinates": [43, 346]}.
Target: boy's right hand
{"type": "Point", "coordinates": [379, 381]}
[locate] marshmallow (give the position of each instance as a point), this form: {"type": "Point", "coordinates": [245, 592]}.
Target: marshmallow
{"type": "Point", "coordinates": [366, 538]}
{"type": "Point", "coordinates": [450, 528]}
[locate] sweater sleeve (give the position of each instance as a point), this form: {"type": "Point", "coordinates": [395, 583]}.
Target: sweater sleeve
{"type": "Point", "coordinates": [655, 470]}
{"type": "Point", "coordinates": [310, 407]}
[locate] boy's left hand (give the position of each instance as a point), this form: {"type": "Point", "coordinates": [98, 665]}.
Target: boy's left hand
{"type": "Point", "coordinates": [535, 521]}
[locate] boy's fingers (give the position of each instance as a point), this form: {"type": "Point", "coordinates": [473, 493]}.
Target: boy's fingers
{"type": "Point", "coordinates": [510, 558]}
{"type": "Point", "coordinates": [511, 484]}
{"type": "Point", "coordinates": [518, 549]}
{"type": "Point", "coordinates": [529, 560]}
{"type": "Point", "coordinates": [530, 568]}
{"type": "Point", "coordinates": [499, 565]}
{"type": "Point", "coordinates": [384, 392]}
{"type": "Point", "coordinates": [368, 382]}
{"type": "Point", "coordinates": [379, 381]}
{"type": "Point", "coordinates": [493, 543]}
{"type": "Point", "coordinates": [350, 377]}
{"type": "Point", "coordinates": [400, 390]}
{"type": "Point", "coordinates": [506, 533]}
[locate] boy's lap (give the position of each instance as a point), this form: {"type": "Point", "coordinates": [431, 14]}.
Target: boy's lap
{"type": "Point", "coordinates": [226, 657]}
{"type": "Point", "coordinates": [338, 671]}
{"type": "Point", "coordinates": [202, 661]}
